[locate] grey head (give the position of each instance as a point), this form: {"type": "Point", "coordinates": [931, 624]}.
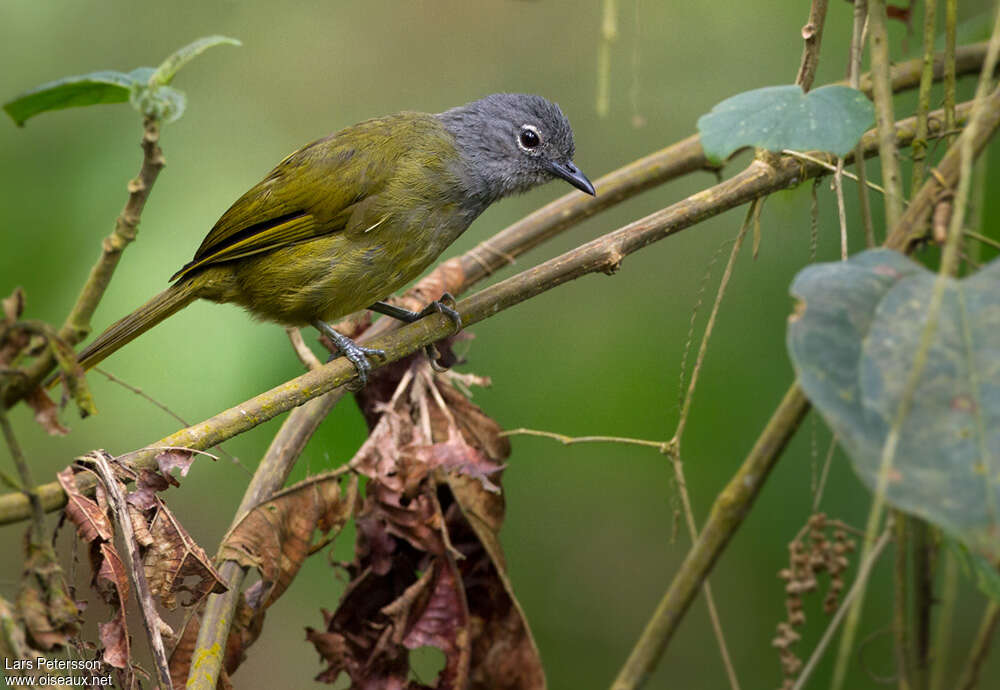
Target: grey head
{"type": "Point", "coordinates": [511, 142]}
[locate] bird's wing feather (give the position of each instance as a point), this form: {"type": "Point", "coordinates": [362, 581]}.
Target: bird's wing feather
{"type": "Point", "coordinates": [315, 191]}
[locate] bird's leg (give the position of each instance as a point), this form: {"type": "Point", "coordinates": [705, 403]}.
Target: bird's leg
{"type": "Point", "coordinates": [445, 305]}
{"type": "Point", "coordinates": [357, 354]}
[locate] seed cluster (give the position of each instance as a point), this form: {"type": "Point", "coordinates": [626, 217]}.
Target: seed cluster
{"type": "Point", "coordinates": [821, 546]}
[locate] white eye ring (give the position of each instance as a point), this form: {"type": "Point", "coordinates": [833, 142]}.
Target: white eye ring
{"type": "Point", "coordinates": [529, 138]}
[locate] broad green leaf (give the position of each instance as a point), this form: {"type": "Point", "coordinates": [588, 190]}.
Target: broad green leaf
{"type": "Point", "coordinates": [169, 67]}
{"type": "Point", "coordinates": [852, 343]}
{"type": "Point", "coordinates": [71, 92]}
{"type": "Point", "coordinates": [830, 118]}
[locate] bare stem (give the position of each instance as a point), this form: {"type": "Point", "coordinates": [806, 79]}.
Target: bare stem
{"type": "Point", "coordinates": [878, 35]}
{"type": "Point", "coordinates": [150, 618]}
{"type": "Point", "coordinates": [980, 647]}
{"type": "Point", "coordinates": [729, 509]}
{"type": "Point", "coordinates": [924, 95]}
{"type": "Point", "coordinates": [812, 34]}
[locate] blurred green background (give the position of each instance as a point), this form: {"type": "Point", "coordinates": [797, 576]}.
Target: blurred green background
{"type": "Point", "coordinates": [590, 531]}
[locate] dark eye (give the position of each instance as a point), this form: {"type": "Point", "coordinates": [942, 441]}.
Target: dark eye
{"type": "Point", "coordinates": [529, 137]}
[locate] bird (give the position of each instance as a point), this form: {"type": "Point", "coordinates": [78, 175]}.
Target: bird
{"type": "Point", "coordinates": [343, 222]}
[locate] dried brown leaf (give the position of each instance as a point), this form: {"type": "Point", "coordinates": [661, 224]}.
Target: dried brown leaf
{"type": "Point", "coordinates": [442, 622]}
{"type": "Point", "coordinates": [175, 458]}
{"type": "Point", "coordinates": [147, 485]}
{"type": "Point", "coordinates": [73, 376]}
{"type": "Point", "coordinates": [504, 653]}
{"type": "Point", "coordinates": [51, 616]}
{"type": "Point", "coordinates": [91, 520]}
{"type": "Point", "coordinates": [46, 412]}
{"type": "Point", "coordinates": [172, 558]}
{"type": "Point", "coordinates": [115, 640]}
{"type": "Point", "coordinates": [13, 306]}
{"type": "Point", "coordinates": [275, 537]}
{"type": "Point", "coordinates": [111, 580]}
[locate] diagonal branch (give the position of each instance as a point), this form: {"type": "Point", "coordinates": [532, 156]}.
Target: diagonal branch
{"type": "Point", "coordinates": [77, 323]}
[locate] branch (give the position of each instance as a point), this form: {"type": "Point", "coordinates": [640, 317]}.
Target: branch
{"type": "Point", "coordinates": [151, 620]}
{"type": "Point", "coordinates": [77, 323]}
{"type": "Point", "coordinates": [878, 34]}
{"type": "Point", "coordinates": [812, 34]}
{"type": "Point", "coordinates": [603, 254]}
{"type": "Point", "coordinates": [729, 509]}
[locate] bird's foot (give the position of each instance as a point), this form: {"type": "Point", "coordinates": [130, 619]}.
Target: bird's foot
{"type": "Point", "coordinates": [446, 306]}
{"type": "Point", "coordinates": [357, 354]}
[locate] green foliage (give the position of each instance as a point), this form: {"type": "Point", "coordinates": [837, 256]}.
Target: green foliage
{"type": "Point", "coordinates": [853, 344]}
{"type": "Point", "coordinates": [830, 118]}
{"type": "Point", "coordinates": [977, 568]}
{"type": "Point", "coordinates": [144, 87]}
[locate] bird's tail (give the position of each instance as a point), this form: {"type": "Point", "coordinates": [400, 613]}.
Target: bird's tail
{"type": "Point", "coordinates": [118, 334]}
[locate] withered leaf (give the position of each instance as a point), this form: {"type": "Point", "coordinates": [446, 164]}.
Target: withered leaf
{"type": "Point", "coordinates": [172, 558]}
{"type": "Point", "coordinates": [115, 640]}
{"type": "Point", "coordinates": [275, 537]}
{"type": "Point", "coordinates": [73, 376]}
{"type": "Point", "coordinates": [13, 306]}
{"type": "Point", "coordinates": [46, 412]}
{"type": "Point", "coordinates": [147, 484]}
{"type": "Point", "coordinates": [51, 616]}
{"type": "Point", "coordinates": [504, 653]}
{"type": "Point", "coordinates": [91, 520]}
{"type": "Point", "coordinates": [111, 580]}
{"type": "Point", "coordinates": [443, 622]}
{"type": "Point", "coordinates": [175, 458]}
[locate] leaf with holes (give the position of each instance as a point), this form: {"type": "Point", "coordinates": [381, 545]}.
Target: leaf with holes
{"type": "Point", "coordinates": [853, 341]}
{"type": "Point", "coordinates": [830, 118]}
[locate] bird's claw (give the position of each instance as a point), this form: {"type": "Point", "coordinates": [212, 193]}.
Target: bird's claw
{"type": "Point", "coordinates": [446, 306]}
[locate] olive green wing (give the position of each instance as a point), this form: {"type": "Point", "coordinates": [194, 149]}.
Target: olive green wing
{"type": "Point", "coordinates": [311, 193]}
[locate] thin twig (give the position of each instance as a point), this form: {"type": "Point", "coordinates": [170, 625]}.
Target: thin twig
{"type": "Point", "coordinates": [609, 34]}
{"type": "Point", "coordinates": [950, 68]}
{"type": "Point", "coordinates": [729, 509]}
{"type": "Point", "coordinates": [858, 29]}
{"type": "Point", "coordinates": [878, 35]}
{"type": "Point", "coordinates": [662, 446]}
{"type": "Point", "coordinates": [924, 95]}
{"type": "Point", "coordinates": [980, 647]}
{"type": "Point", "coordinates": [830, 167]}
{"type": "Point", "coordinates": [77, 323]}
{"type": "Point", "coordinates": [899, 600]}
{"type": "Point", "coordinates": [709, 327]}
{"type": "Point", "coordinates": [812, 34]}
{"type": "Point", "coordinates": [689, 338]}
{"type": "Point", "coordinates": [150, 618]}
{"type": "Point", "coordinates": [824, 473]}
{"type": "Point", "coordinates": [27, 483]}
{"type": "Point", "coordinates": [989, 241]}
{"type": "Point", "coordinates": [943, 630]}
{"type": "Point", "coordinates": [306, 356]}
{"type": "Point", "coordinates": [145, 396]}
{"type": "Point", "coordinates": [864, 572]}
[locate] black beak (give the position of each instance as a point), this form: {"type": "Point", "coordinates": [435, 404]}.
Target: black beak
{"type": "Point", "coordinates": [572, 174]}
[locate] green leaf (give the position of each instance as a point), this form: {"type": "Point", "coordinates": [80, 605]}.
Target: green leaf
{"type": "Point", "coordinates": [161, 102]}
{"type": "Point", "coordinates": [852, 343]}
{"type": "Point", "coordinates": [830, 118]}
{"type": "Point", "coordinates": [169, 67]}
{"type": "Point", "coordinates": [985, 574]}
{"type": "Point", "coordinates": [71, 92]}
